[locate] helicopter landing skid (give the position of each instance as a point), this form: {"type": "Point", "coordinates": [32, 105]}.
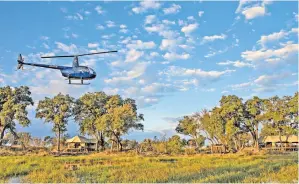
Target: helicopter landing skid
{"type": "Point", "coordinates": [70, 82]}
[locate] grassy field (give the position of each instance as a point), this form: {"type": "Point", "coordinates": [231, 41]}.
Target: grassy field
{"type": "Point", "coordinates": [130, 168]}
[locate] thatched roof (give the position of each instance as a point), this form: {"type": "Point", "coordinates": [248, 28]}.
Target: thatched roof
{"type": "Point", "coordinates": [80, 139]}
{"type": "Point", "coordinates": [292, 138]}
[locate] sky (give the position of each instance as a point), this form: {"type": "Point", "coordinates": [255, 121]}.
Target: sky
{"type": "Point", "coordinates": [174, 58]}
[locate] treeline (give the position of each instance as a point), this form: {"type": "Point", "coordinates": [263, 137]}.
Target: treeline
{"type": "Point", "coordinates": [104, 117]}
{"type": "Point", "coordinates": [235, 123]}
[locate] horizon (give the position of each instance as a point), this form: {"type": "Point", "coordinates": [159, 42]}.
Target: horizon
{"type": "Point", "coordinates": [170, 53]}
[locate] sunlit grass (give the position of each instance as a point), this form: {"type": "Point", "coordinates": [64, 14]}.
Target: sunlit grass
{"type": "Point", "coordinates": [132, 168]}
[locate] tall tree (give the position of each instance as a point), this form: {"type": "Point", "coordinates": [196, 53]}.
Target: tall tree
{"type": "Point", "coordinates": [13, 103]}
{"type": "Point", "coordinates": [88, 112]}
{"type": "Point", "coordinates": [191, 127]}
{"type": "Point", "coordinates": [281, 116]}
{"type": "Point", "coordinates": [254, 109]}
{"type": "Point", "coordinates": [121, 116]}
{"type": "Point", "coordinates": [56, 110]}
{"type": "Point", "coordinates": [232, 111]}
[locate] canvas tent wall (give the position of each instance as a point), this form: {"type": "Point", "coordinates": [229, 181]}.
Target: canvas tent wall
{"type": "Point", "coordinates": [82, 143]}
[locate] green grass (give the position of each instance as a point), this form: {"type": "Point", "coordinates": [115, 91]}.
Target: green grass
{"type": "Point", "coordinates": [129, 168]}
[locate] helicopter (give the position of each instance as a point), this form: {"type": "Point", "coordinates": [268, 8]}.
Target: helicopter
{"type": "Point", "coordinates": [76, 72]}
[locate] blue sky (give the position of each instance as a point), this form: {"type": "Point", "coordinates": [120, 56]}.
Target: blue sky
{"type": "Point", "coordinates": [174, 58]}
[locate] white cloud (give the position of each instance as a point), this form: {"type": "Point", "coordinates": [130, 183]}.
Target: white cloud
{"type": "Point", "coordinates": [100, 27]}
{"type": "Point", "coordinates": [190, 18]}
{"type": "Point", "coordinates": [77, 16]}
{"type": "Point", "coordinates": [174, 56]}
{"type": "Point", "coordinates": [168, 44]}
{"type": "Point", "coordinates": [286, 51]}
{"type": "Point", "coordinates": [93, 45]}
{"type": "Point", "coordinates": [133, 55]}
{"type": "Point", "coordinates": [126, 77]}
{"type": "Point", "coordinates": [155, 88]}
{"type": "Point", "coordinates": [46, 46]}
{"type": "Point", "coordinates": [74, 35]}
{"type": "Point", "coordinates": [110, 24]}
{"type": "Point", "coordinates": [168, 22]}
{"type": "Point", "coordinates": [213, 38]}
{"type": "Point", "coordinates": [253, 12]}
{"type": "Point", "coordinates": [273, 37]}
{"type": "Point", "coordinates": [123, 30]}
{"type": "Point", "coordinates": [146, 5]}
{"type": "Point", "coordinates": [178, 71]}
{"type": "Point", "coordinates": [122, 26]}
{"type": "Point", "coordinates": [189, 28]}
{"type": "Point", "coordinates": [44, 38]}
{"type": "Point", "coordinates": [200, 13]}
{"type": "Point", "coordinates": [138, 44]}
{"type": "Point", "coordinates": [241, 86]}
{"type": "Point", "coordinates": [99, 10]}
{"type": "Point", "coordinates": [71, 49]}
{"type": "Point", "coordinates": [154, 54]}
{"type": "Point", "coordinates": [237, 64]}
{"type": "Point", "coordinates": [150, 19]}
{"type": "Point", "coordinates": [173, 9]}
{"type": "Point", "coordinates": [269, 79]}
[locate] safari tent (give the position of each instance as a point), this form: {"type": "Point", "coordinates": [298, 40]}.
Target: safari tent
{"type": "Point", "coordinates": [80, 143]}
{"type": "Point", "coordinates": [275, 141]}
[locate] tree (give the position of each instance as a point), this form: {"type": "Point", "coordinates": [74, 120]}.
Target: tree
{"type": "Point", "coordinates": [88, 113]}
{"type": "Point", "coordinates": [24, 138]}
{"type": "Point", "coordinates": [189, 126]}
{"type": "Point", "coordinates": [281, 116]}
{"type": "Point", "coordinates": [253, 112]}
{"type": "Point", "coordinates": [13, 103]}
{"type": "Point", "coordinates": [56, 110]}
{"type": "Point", "coordinates": [174, 145]}
{"type": "Point", "coordinates": [232, 112]}
{"type": "Point", "coordinates": [121, 116]}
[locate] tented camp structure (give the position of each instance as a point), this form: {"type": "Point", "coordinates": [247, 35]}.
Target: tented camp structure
{"type": "Point", "coordinates": [80, 143]}
{"type": "Point", "coordinates": [285, 143]}
{"type": "Point", "coordinates": [275, 141]}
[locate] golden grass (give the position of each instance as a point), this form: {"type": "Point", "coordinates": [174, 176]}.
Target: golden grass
{"type": "Point", "coordinates": [132, 168]}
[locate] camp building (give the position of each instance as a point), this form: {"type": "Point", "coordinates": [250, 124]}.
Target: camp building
{"type": "Point", "coordinates": [80, 143]}
{"type": "Point", "coordinates": [274, 141]}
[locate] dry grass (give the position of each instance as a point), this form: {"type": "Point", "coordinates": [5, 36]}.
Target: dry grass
{"type": "Point", "coordinates": [132, 168]}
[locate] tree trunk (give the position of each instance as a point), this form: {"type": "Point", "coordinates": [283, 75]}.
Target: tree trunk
{"type": "Point", "coordinates": [121, 146]}
{"type": "Point", "coordinates": [280, 138]}
{"type": "Point", "coordinates": [112, 144]}
{"type": "Point", "coordinates": [2, 130]}
{"type": "Point", "coordinates": [58, 145]}
{"type": "Point", "coordinates": [102, 141]}
{"type": "Point", "coordinates": [257, 138]}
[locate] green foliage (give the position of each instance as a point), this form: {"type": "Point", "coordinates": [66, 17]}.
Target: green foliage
{"type": "Point", "coordinates": [190, 126]}
{"type": "Point", "coordinates": [56, 110]}
{"type": "Point", "coordinates": [174, 145]}
{"type": "Point", "coordinates": [13, 104]}
{"type": "Point", "coordinates": [103, 116]}
{"type": "Point", "coordinates": [231, 123]}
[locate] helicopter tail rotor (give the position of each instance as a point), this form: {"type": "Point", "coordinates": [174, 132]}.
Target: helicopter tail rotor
{"type": "Point", "coordinates": [20, 62]}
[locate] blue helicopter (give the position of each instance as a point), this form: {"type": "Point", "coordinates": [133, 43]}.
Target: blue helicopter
{"type": "Point", "coordinates": [76, 72]}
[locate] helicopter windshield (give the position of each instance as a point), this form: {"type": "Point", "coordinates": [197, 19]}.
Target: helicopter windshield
{"type": "Point", "coordinates": [92, 71]}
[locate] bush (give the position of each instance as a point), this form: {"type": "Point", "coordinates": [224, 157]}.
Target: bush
{"type": "Point", "coordinates": [190, 151]}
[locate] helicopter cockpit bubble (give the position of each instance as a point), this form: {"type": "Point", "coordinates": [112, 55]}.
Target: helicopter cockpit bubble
{"type": "Point", "coordinates": [92, 71]}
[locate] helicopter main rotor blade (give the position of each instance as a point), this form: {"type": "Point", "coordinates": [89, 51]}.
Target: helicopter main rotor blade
{"type": "Point", "coordinates": [97, 53]}
{"type": "Point", "coordinates": [57, 56]}
{"type": "Point", "coordinates": [79, 54]}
